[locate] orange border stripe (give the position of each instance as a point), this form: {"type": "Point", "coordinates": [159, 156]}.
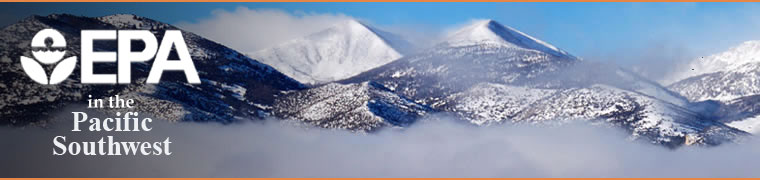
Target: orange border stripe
{"type": "Point", "coordinates": [379, 1]}
{"type": "Point", "coordinates": [381, 178]}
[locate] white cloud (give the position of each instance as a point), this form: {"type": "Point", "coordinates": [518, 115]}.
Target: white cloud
{"type": "Point", "coordinates": [437, 147]}
{"type": "Point", "coordinates": [248, 30]}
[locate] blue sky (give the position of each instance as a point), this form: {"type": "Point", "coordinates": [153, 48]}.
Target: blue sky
{"type": "Point", "coordinates": [591, 30]}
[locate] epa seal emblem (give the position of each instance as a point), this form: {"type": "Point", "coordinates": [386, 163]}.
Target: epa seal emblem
{"type": "Point", "coordinates": [48, 55]}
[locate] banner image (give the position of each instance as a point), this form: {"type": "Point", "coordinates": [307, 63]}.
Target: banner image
{"type": "Point", "coordinates": [379, 89]}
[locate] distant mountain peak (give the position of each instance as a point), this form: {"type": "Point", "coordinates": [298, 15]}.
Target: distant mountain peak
{"type": "Point", "coordinates": [345, 49]}
{"type": "Point", "coordinates": [491, 32]}
{"type": "Point", "coordinates": [723, 76]}
{"type": "Point", "coordinates": [352, 23]}
{"type": "Point", "coordinates": [349, 24]}
{"type": "Point", "coordinates": [357, 28]}
{"type": "Point", "coordinates": [730, 60]}
{"type": "Point", "coordinates": [349, 27]}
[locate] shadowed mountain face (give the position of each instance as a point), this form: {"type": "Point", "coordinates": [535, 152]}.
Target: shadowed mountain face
{"type": "Point", "coordinates": [232, 85]}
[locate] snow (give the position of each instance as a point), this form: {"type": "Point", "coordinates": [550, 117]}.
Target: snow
{"type": "Point", "coordinates": [124, 19]}
{"type": "Point", "coordinates": [747, 52]}
{"type": "Point", "coordinates": [491, 32]}
{"type": "Point", "coordinates": [723, 76]}
{"type": "Point", "coordinates": [132, 21]}
{"type": "Point", "coordinates": [360, 107]}
{"type": "Point", "coordinates": [725, 85]}
{"type": "Point", "coordinates": [652, 89]}
{"type": "Point", "coordinates": [644, 116]}
{"type": "Point", "coordinates": [341, 51]}
{"type": "Point", "coordinates": [237, 90]}
{"type": "Point", "coordinates": [488, 103]}
{"type": "Point", "coordinates": [751, 125]}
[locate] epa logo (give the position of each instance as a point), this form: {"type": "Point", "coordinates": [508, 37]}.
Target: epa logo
{"type": "Point", "coordinates": [53, 54]}
{"type": "Point", "coordinates": [49, 55]}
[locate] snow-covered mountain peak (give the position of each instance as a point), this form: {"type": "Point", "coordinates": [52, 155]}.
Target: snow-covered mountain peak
{"type": "Point", "coordinates": [730, 60]}
{"type": "Point", "coordinates": [736, 57]}
{"type": "Point", "coordinates": [338, 52]}
{"type": "Point", "coordinates": [354, 29]}
{"type": "Point", "coordinates": [350, 26]}
{"type": "Point", "coordinates": [492, 32]}
{"type": "Point", "coordinates": [723, 76]}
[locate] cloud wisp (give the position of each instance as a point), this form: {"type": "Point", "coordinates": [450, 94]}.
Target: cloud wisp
{"type": "Point", "coordinates": [248, 30]}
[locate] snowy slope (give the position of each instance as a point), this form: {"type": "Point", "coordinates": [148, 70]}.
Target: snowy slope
{"type": "Point", "coordinates": [233, 85]}
{"type": "Point", "coordinates": [358, 107]}
{"type": "Point", "coordinates": [734, 82]}
{"type": "Point", "coordinates": [723, 76]}
{"type": "Point", "coordinates": [492, 33]}
{"type": "Point", "coordinates": [645, 117]}
{"type": "Point", "coordinates": [130, 21]}
{"type": "Point", "coordinates": [648, 87]}
{"type": "Point", "coordinates": [343, 50]}
{"type": "Point", "coordinates": [731, 78]}
{"type": "Point", "coordinates": [733, 58]}
{"type": "Point", "coordinates": [489, 103]}
{"type": "Point", "coordinates": [587, 73]}
{"type": "Point", "coordinates": [751, 125]}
